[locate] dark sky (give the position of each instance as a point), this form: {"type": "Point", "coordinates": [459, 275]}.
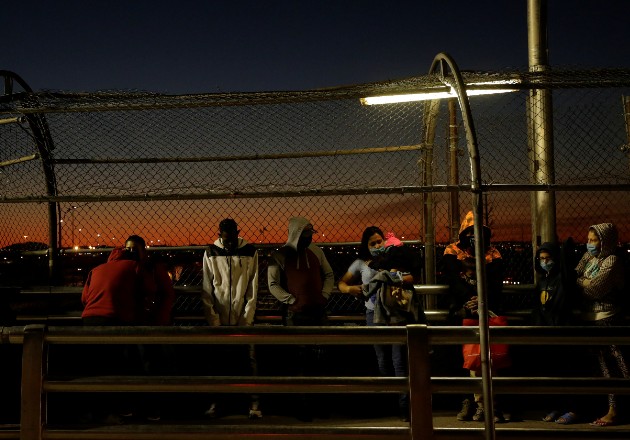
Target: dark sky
{"type": "Point", "coordinates": [262, 45]}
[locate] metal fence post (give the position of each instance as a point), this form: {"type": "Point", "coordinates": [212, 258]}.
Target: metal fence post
{"type": "Point", "coordinates": [420, 407]}
{"type": "Point", "coordinates": [33, 408]}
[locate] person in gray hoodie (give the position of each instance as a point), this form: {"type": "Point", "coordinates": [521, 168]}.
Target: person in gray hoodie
{"type": "Point", "coordinates": [300, 277]}
{"type": "Point", "coordinates": [600, 281]}
{"type": "Point", "coordinates": [229, 294]}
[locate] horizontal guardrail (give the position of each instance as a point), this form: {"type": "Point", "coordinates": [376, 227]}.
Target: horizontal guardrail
{"type": "Point", "coordinates": [419, 338]}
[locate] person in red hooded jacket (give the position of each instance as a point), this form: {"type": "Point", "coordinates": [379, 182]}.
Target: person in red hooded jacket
{"type": "Point", "coordinates": [113, 291]}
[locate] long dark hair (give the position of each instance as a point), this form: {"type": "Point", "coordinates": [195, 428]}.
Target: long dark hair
{"type": "Point", "coordinates": [364, 252]}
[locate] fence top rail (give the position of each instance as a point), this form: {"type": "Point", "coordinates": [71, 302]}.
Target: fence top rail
{"type": "Point", "coordinates": [331, 335]}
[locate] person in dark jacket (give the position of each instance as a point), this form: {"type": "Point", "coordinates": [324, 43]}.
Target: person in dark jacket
{"type": "Point", "coordinates": [554, 305]}
{"type": "Point", "coordinates": [156, 309]}
{"type": "Point", "coordinates": [460, 272]}
{"type": "Point", "coordinates": [554, 292]}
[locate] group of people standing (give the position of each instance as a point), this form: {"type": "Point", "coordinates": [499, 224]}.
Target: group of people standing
{"type": "Point", "coordinates": [130, 290]}
{"type": "Point", "coordinates": [595, 288]}
{"type": "Point", "coordinates": [569, 292]}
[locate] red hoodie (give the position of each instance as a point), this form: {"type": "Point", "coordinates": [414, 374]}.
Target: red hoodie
{"type": "Point", "coordinates": [114, 289]}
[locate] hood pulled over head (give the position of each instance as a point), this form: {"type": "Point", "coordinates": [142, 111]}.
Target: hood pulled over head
{"type": "Point", "coordinates": [607, 234]}
{"type": "Point", "coordinates": [296, 226]}
{"type": "Point", "coordinates": [468, 226]}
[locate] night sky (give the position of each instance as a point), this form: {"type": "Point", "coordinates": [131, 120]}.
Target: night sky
{"type": "Point", "coordinates": [193, 46]}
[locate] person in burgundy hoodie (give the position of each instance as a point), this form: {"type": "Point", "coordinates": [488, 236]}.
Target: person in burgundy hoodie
{"type": "Point", "coordinates": [300, 277]}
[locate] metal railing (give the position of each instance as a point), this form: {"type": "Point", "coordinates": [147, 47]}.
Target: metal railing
{"type": "Point", "coordinates": [37, 384]}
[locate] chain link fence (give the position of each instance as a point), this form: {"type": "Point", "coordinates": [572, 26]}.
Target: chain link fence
{"type": "Point", "coordinates": [171, 167]}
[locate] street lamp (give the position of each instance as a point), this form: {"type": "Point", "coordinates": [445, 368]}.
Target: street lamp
{"type": "Point", "coordinates": [446, 92]}
{"type": "Point", "coordinates": [71, 211]}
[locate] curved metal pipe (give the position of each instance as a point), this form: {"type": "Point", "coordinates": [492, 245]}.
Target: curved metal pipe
{"type": "Point", "coordinates": [441, 63]}
{"type": "Point", "coordinates": [44, 144]}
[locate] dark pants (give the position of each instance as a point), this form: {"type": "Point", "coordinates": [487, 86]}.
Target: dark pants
{"type": "Point", "coordinates": [308, 359]}
{"type": "Point", "coordinates": [392, 361]}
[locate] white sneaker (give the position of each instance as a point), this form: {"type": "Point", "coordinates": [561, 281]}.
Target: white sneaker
{"type": "Point", "coordinates": [212, 411]}
{"type": "Point", "coordinates": [254, 411]}
{"type": "Point", "coordinates": [255, 414]}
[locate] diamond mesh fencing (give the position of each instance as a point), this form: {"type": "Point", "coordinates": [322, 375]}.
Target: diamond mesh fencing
{"type": "Point", "coordinates": [171, 167]}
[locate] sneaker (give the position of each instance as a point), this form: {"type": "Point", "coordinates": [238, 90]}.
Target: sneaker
{"type": "Point", "coordinates": [212, 411]}
{"type": "Point", "coordinates": [254, 411]}
{"type": "Point", "coordinates": [154, 417]}
{"type": "Point", "coordinates": [498, 416]}
{"type": "Point", "coordinates": [466, 411]}
{"type": "Point", "coordinates": [255, 414]}
{"type": "Point", "coordinates": [479, 415]}
{"type": "Point", "coordinates": [113, 419]}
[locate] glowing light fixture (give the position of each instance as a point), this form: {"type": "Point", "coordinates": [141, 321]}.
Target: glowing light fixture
{"type": "Point", "coordinates": [441, 94]}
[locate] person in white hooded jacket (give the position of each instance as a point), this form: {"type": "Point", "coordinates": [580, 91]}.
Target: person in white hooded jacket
{"type": "Point", "coordinates": [229, 294]}
{"type": "Point", "coordinates": [230, 278]}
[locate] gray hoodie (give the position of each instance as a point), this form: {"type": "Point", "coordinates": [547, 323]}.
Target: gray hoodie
{"type": "Point", "coordinates": [303, 278]}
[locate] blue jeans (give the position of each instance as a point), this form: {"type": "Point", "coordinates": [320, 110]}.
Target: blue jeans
{"type": "Point", "coordinates": [392, 361]}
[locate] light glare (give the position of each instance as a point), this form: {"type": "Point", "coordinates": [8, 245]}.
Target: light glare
{"type": "Point", "coordinates": [443, 94]}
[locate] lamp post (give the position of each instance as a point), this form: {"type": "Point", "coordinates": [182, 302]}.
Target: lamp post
{"type": "Point", "coordinates": [71, 211]}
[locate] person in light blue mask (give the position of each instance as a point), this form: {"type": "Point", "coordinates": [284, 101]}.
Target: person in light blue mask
{"type": "Point", "coordinates": [396, 260]}
{"type": "Point", "coordinates": [600, 282]}
{"type": "Point", "coordinates": [554, 290]}
{"type": "Point", "coordinates": [555, 299]}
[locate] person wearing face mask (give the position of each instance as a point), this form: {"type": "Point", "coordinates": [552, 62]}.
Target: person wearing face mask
{"type": "Point", "coordinates": [300, 277]}
{"type": "Point", "coordinates": [382, 256]}
{"type": "Point", "coordinates": [555, 293]}
{"type": "Point", "coordinates": [459, 269]}
{"type": "Point", "coordinates": [229, 294]}
{"type": "Point", "coordinates": [600, 283]}
{"type": "Point", "coordinates": [457, 255]}
{"type": "Point", "coordinates": [554, 305]}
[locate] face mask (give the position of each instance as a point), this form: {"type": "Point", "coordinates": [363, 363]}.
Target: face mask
{"type": "Point", "coordinates": [471, 244]}
{"type": "Point", "coordinates": [547, 265]}
{"type": "Point", "coordinates": [304, 241]}
{"type": "Point", "coordinates": [592, 249]}
{"type": "Point", "coordinates": [377, 251]}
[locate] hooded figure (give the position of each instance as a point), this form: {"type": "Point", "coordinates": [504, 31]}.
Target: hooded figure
{"type": "Point", "coordinates": [554, 290]}
{"type": "Point", "coordinates": [114, 291]}
{"type": "Point", "coordinates": [600, 274]}
{"type": "Point", "coordinates": [299, 274]}
{"type": "Point", "coordinates": [460, 271]}
{"type": "Point", "coordinates": [230, 278]}
{"type": "Point", "coordinates": [600, 282]}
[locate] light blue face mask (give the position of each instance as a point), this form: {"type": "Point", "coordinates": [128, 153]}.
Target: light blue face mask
{"type": "Point", "coordinates": [592, 249]}
{"type": "Point", "coordinates": [547, 265]}
{"type": "Point", "coordinates": [377, 251]}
